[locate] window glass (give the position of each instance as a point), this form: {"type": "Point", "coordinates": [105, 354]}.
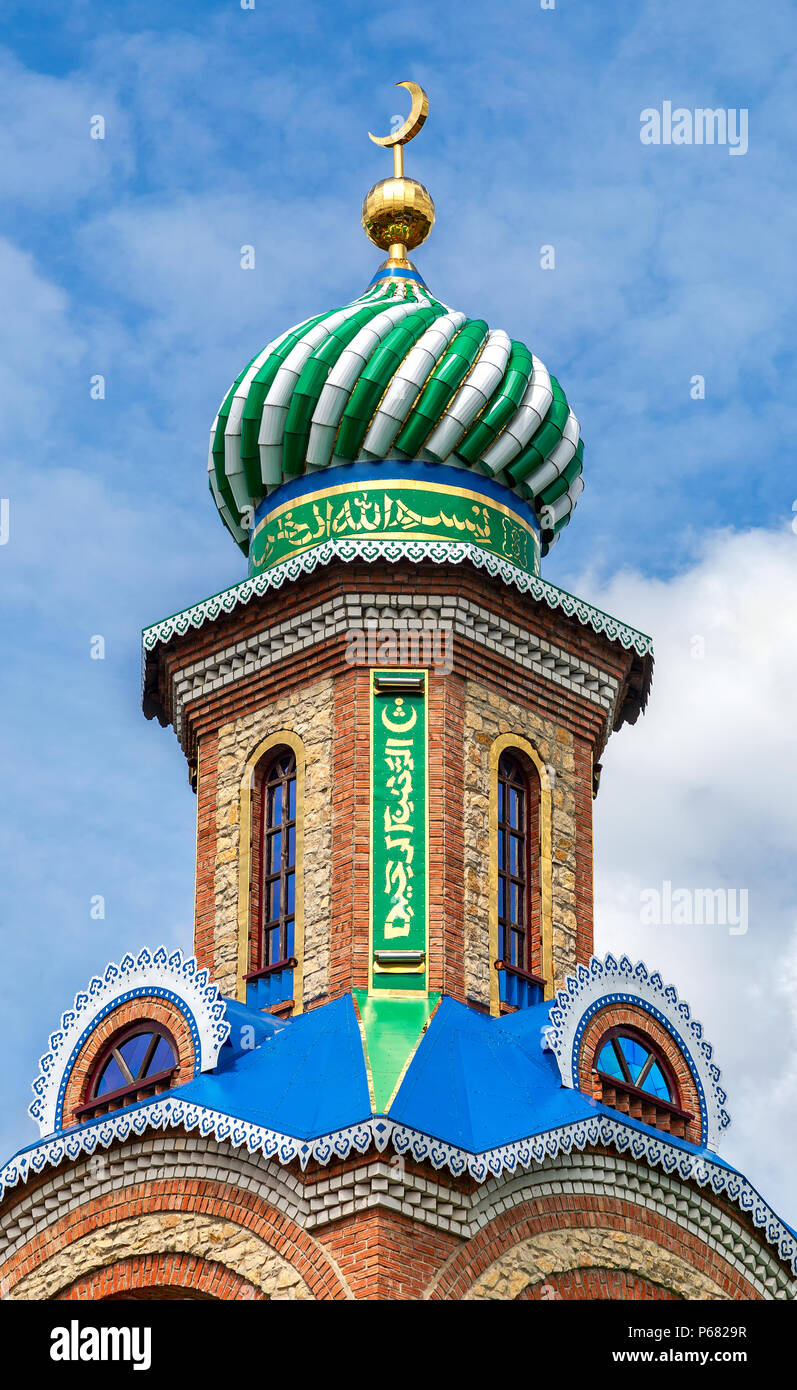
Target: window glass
{"type": "Point", "coordinates": [655, 1082]}
{"type": "Point", "coordinates": [635, 1055]}
{"type": "Point", "coordinates": [609, 1062]}
{"type": "Point", "coordinates": [162, 1058]}
{"type": "Point", "coordinates": [134, 1052]}
{"type": "Point", "coordinates": [130, 1060]}
{"type": "Point", "coordinates": [112, 1078]}
{"type": "Point", "coordinates": [513, 869]}
{"type": "Point", "coordinates": [628, 1060]}
{"type": "Point", "coordinates": [279, 861]}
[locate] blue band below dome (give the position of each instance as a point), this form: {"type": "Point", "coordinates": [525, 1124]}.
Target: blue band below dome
{"type": "Point", "coordinates": [375, 471]}
{"type": "Point", "coordinates": [387, 273]}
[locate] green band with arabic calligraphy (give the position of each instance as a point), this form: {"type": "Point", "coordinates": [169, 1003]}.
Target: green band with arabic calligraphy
{"type": "Point", "coordinates": [417, 506]}
{"type": "Point", "coordinates": [399, 836]}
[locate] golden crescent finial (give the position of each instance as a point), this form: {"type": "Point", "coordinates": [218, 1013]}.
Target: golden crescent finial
{"type": "Point", "coordinates": [398, 213]}
{"type": "Point", "coordinates": [418, 113]}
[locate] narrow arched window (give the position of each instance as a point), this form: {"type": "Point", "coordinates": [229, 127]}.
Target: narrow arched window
{"type": "Point", "coordinates": [278, 859]}
{"type": "Point", "coordinates": [514, 867]}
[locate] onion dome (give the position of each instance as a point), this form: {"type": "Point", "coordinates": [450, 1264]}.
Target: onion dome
{"type": "Point", "coordinates": [396, 375]}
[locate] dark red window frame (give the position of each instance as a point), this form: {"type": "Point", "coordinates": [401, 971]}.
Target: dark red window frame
{"type": "Point", "coordinates": [277, 870]}
{"type": "Point", "coordinates": [512, 776]}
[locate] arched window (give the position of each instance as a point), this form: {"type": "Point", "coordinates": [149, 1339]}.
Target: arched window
{"type": "Point", "coordinates": [139, 1061]}
{"type": "Point", "coordinates": [630, 1061]}
{"type": "Point", "coordinates": [631, 1074]}
{"type": "Point", "coordinates": [278, 859]}
{"type": "Point", "coordinates": [520, 875]}
{"type": "Point", "coordinates": [514, 864]}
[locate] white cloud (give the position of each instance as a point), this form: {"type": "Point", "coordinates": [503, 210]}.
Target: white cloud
{"type": "Point", "coordinates": [47, 156]}
{"type": "Point", "coordinates": [37, 344]}
{"type": "Point", "coordinates": [701, 793]}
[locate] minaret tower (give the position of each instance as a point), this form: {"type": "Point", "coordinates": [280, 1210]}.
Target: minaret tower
{"type": "Point", "coordinates": [392, 1067]}
{"type": "Point", "coordinates": [394, 471]}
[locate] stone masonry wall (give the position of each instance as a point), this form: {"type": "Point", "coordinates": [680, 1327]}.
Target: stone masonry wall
{"type": "Point", "coordinates": [308, 713]}
{"type": "Point", "coordinates": [205, 1238]}
{"type": "Point", "coordinates": [558, 1251]}
{"type": "Point", "coordinates": [487, 715]}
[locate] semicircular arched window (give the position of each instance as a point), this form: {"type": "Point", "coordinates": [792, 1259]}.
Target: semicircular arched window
{"type": "Point", "coordinates": [139, 1061]}
{"type": "Point", "coordinates": [631, 1074]}
{"type": "Point", "coordinates": [631, 1062]}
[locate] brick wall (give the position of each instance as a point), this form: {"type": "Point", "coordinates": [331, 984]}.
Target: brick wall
{"type": "Point", "coordinates": [163, 1277]}
{"type": "Point", "coordinates": [368, 582]}
{"type": "Point", "coordinates": [307, 713]}
{"type": "Point", "coordinates": [350, 817]}
{"type": "Point", "coordinates": [385, 1256]}
{"type": "Point", "coordinates": [182, 1213]}
{"type": "Point", "coordinates": [563, 1230]}
{"type": "Point", "coordinates": [580, 1285]}
{"type": "Point", "coordinates": [488, 715]}
{"type": "Point", "coordinates": [326, 702]}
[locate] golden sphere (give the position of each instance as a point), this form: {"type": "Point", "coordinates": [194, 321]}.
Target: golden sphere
{"type": "Point", "coordinates": [398, 210]}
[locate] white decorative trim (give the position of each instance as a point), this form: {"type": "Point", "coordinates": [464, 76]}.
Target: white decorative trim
{"type": "Point", "coordinates": [441, 552]}
{"type": "Point", "coordinates": [603, 1130]}
{"type": "Point", "coordinates": [605, 982]}
{"type": "Point", "coordinates": [171, 976]}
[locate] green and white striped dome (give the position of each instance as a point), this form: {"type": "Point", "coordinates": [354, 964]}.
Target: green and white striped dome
{"type": "Point", "coordinates": [395, 375]}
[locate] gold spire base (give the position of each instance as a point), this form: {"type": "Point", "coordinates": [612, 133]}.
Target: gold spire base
{"type": "Point", "coordinates": [399, 263]}
{"type": "Point", "coordinates": [397, 258]}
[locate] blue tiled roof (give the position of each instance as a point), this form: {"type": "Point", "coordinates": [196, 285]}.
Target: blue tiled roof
{"type": "Point", "coordinates": [475, 1082]}
{"type": "Point", "coordinates": [481, 1082]}
{"type": "Point", "coordinates": [306, 1077]}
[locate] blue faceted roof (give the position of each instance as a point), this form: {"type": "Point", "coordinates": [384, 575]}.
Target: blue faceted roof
{"type": "Point", "coordinates": [305, 1076]}
{"type": "Point", "coordinates": [481, 1082]}
{"type": "Point", "coordinates": [475, 1083]}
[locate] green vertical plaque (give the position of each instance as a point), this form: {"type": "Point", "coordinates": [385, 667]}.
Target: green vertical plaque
{"type": "Point", "coordinates": [399, 834]}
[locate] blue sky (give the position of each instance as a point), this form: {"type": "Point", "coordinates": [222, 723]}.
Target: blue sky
{"type": "Point", "coordinates": [122, 257]}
